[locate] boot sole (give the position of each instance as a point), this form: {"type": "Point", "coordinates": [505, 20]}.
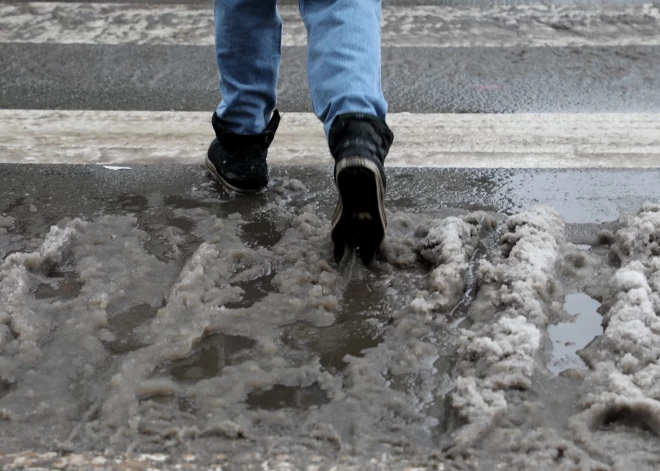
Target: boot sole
{"type": "Point", "coordinates": [359, 220]}
{"type": "Point", "coordinates": [216, 176]}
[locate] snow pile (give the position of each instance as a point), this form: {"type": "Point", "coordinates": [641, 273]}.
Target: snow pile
{"type": "Point", "coordinates": [448, 247]}
{"type": "Point", "coordinates": [403, 234]}
{"type": "Point", "coordinates": [50, 253]}
{"type": "Point", "coordinates": [624, 382]}
{"type": "Point", "coordinates": [21, 328]}
{"type": "Point", "coordinates": [517, 288]}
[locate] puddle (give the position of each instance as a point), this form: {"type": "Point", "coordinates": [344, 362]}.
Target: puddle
{"type": "Point", "coordinates": [281, 397]}
{"type": "Point", "coordinates": [332, 344]}
{"type": "Point", "coordinates": [570, 337]}
{"type": "Point", "coordinates": [185, 224]}
{"type": "Point", "coordinates": [6, 387]}
{"type": "Point", "coordinates": [260, 234]}
{"type": "Point", "coordinates": [364, 299]}
{"type": "Point", "coordinates": [253, 291]}
{"type": "Point", "coordinates": [29, 219]}
{"type": "Point", "coordinates": [18, 202]}
{"type": "Point", "coordinates": [123, 326]}
{"type": "Point", "coordinates": [366, 307]}
{"type": "Point", "coordinates": [333, 349]}
{"type": "Point", "coordinates": [66, 285]}
{"type": "Point", "coordinates": [351, 334]}
{"type": "Point", "coordinates": [210, 357]}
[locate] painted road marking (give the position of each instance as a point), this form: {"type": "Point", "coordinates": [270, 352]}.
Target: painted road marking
{"type": "Point", "coordinates": [421, 26]}
{"type": "Point", "coordinates": [523, 140]}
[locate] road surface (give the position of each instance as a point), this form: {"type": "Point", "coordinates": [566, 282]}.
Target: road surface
{"type": "Point", "coordinates": [150, 320]}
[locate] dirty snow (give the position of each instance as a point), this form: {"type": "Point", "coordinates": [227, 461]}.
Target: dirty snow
{"type": "Point", "coordinates": [201, 336]}
{"type": "Point", "coordinates": [498, 352]}
{"type": "Point", "coordinates": [621, 392]}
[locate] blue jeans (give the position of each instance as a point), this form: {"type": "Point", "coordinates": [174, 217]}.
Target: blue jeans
{"type": "Point", "coordinates": [343, 59]}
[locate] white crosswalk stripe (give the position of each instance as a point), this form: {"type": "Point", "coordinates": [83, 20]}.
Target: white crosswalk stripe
{"type": "Point", "coordinates": [422, 140]}
{"type": "Point", "coordinates": [423, 26]}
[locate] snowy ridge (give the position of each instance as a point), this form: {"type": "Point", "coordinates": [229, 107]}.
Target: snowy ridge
{"type": "Point", "coordinates": [21, 328]}
{"type": "Point", "coordinates": [449, 247]}
{"type": "Point", "coordinates": [499, 352]}
{"type": "Point", "coordinates": [80, 319]}
{"type": "Point", "coordinates": [420, 26]}
{"type": "Point", "coordinates": [624, 381]}
{"type": "Point", "coordinates": [305, 289]}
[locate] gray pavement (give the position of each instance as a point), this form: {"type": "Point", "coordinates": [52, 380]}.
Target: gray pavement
{"type": "Point", "coordinates": [579, 195]}
{"type": "Point", "coordinates": [418, 80]}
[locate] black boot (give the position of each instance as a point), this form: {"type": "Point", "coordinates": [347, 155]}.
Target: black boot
{"type": "Point", "coordinates": [359, 144]}
{"type": "Point", "coordinates": [238, 161]}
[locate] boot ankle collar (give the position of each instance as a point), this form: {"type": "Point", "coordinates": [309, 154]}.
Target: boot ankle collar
{"type": "Point", "coordinates": [225, 136]}
{"type": "Point", "coordinates": [362, 132]}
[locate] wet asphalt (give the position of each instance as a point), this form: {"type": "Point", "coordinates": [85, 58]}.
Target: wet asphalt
{"type": "Point", "coordinates": [38, 196]}
{"type": "Point", "coordinates": [416, 80]}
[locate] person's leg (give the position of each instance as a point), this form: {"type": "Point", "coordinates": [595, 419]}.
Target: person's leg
{"type": "Point", "coordinates": [343, 69]}
{"type": "Point", "coordinates": [343, 57]}
{"type": "Point", "coordinates": [248, 36]}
